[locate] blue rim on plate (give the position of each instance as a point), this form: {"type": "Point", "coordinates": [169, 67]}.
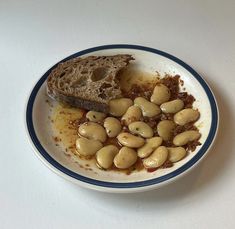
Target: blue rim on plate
{"type": "Point", "coordinates": [46, 156]}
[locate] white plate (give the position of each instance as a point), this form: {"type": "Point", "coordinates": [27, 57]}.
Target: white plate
{"type": "Point", "coordinates": [149, 60]}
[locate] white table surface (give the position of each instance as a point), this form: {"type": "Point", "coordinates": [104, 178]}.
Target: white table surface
{"type": "Point", "coordinates": [34, 35]}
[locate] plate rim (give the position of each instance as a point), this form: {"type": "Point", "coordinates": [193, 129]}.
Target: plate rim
{"type": "Point", "coordinates": [98, 184]}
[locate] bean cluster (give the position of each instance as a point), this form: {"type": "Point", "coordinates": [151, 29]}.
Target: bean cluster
{"type": "Point", "coordinates": [141, 140]}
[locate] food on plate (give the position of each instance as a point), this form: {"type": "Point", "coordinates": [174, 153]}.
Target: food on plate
{"type": "Point", "coordinates": [132, 114]}
{"type": "Point", "coordinates": [112, 126]}
{"type": "Point", "coordinates": [141, 128]}
{"type": "Point", "coordinates": [148, 108]}
{"type": "Point", "coordinates": [150, 145]}
{"type": "Point", "coordinates": [157, 158]}
{"type": "Point", "coordinates": [185, 116]}
{"type": "Point", "coordinates": [87, 147]}
{"type": "Point", "coordinates": [161, 94]}
{"type": "Point", "coordinates": [165, 129]}
{"type": "Point", "coordinates": [89, 82]}
{"type": "Point", "coordinates": [149, 124]}
{"type": "Point", "coordinates": [125, 158]}
{"type": "Point", "coordinates": [105, 156]}
{"type": "Point", "coordinates": [130, 140]}
{"type": "Point", "coordinates": [95, 116]}
{"type": "Point", "coordinates": [93, 131]}
{"type": "Point", "coordinates": [118, 107]}
{"type": "Point", "coordinates": [176, 153]}
{"type": "Point", "coordinates": [172, 106]}
{"type": "Point", "coordinates": [186, 137]}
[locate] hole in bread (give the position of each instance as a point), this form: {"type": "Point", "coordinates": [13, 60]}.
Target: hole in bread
{"type": "Point", "coordinates": [82, 81]}
{"type": "Point", "coordinates": [84, 71]}
{"type": "Point", "coordinates": [62, 74]}
{"type": "Point", "coordinates": [102, 95]}
{"type": "Point", "coordinates": [105, 85]}
{"type": "Point", "coordinates": [69, 71]}
{"type": "Point", "coordinates": [99, 74]}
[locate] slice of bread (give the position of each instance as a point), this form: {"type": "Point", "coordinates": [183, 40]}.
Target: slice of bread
{"type": "Point", "coordinates": [87, 83]}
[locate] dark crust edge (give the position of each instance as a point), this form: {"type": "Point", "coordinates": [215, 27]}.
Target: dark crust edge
{"type": "Point", "coordinates": [79, 102]}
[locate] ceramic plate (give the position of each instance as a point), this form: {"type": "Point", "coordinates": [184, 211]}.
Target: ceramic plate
{"type": "Point", "coordinates": [149, 60]}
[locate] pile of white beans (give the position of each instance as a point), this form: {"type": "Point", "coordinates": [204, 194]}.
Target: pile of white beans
{"type": "Point", "coordinates": [139, 141]}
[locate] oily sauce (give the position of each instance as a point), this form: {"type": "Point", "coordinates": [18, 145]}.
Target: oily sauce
{"type": "Point", "coordinates": [66, 119]}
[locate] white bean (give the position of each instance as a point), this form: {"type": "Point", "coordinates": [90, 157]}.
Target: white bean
{"type": "Point", "coordinates": [112, 126]}
{"type": "Point", "coordinates": [132, 114]}
{"type": "Point", "coordinates": [92, 130]}
{"type": "Point", "coordinates": [157, 158]}
{"type": "Point", "coordinates": [176, 153]}
{"type": "Point", "coordinates": [186, 137]}
{"type": "Point", "coordinates": [141, 128]}
{"type": "Point", "coordinates": [87, 147]}
{"type": "Point", "coordinates": [186, 116]}
{"type": "Point", "coordinates": [95, 116]}
{"type": "Point", "coordinates": [148, 109]}
{"type": "Point", "coordinates": [165, 129]}
{"type": "Point", "coordinates": [105, 156]}
{"type": "Point", "coordinates": [172, 106]}
{"type": "Point", "coordinates": [130, 140]}
{"type": "Point", "coordinates": [118, 107]}
{"type": "Point", "coordinates": [160, 94]}
{"type": "Point", "coordinates": [125, 158]}
{"type": "Point", "coordinates": [150, 145]}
